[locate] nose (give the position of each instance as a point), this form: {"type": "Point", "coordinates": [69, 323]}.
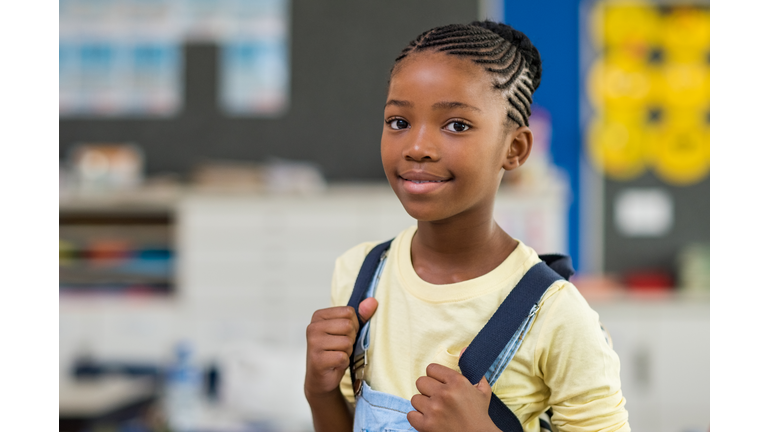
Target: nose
{"type": "Point", "coordinates": [422, 147]}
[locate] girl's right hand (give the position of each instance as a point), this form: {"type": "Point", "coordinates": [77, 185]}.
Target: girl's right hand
{"type": "Point", "coordinates": [330, 342]}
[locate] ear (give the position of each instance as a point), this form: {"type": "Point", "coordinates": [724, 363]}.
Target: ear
{"type": "Point", "coordinates": [519, 144]}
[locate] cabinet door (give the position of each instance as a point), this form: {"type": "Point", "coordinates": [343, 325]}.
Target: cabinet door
{"type": "Point", "coordinates": [664, 353]}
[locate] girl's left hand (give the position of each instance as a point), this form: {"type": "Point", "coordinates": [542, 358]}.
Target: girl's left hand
{"type": "Point", "coordinates": [449, 402]}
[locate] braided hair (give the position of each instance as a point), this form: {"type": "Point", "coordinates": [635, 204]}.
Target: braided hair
{"type": "Point", "coordinates": [507, 54]}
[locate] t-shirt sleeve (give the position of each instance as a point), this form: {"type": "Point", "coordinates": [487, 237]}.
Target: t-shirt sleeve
{"type": "Point", "coordinates": [579, 367]}
{"type": "Point", "coordinates": [342, 283]}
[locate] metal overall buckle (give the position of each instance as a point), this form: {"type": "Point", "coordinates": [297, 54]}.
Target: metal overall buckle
{"type": "Point", "coordinates": [358, 371]}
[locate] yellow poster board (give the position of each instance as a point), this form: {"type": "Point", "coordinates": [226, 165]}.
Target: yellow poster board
{"type": "Point", "coordinates": [649, 89]}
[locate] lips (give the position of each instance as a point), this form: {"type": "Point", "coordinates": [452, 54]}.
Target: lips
{"type": "Point", "coordinates": [421, 182]}
{"type": "Point", "coordinates": [423, 177]}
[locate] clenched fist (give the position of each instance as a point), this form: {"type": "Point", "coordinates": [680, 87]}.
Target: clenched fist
{"type": "Point", "coordinates": [449, 402]}
{"type": "Point", "coordinates": [330, 342]}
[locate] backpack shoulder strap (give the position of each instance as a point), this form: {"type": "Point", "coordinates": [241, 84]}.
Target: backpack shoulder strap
{"type": "Point", "coordinates": [497, 332]}
{"type": "Point", "coordinates": [365, 276]}
{"type": "Point", "coordinates": [561, 264]}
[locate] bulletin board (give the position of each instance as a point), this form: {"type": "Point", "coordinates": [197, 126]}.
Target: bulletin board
{"type": "Point", "coordinates": [645, 127]}
{"type": "Point", "coordinates": [339, 54]}
{"type": "Point", "coordinates": [124, 58]}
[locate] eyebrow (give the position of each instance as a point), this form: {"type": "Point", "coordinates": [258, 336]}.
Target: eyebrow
{"type": "Point", "coordinates": [449, 105]}
{"type": "Point", "coordinates": [435, 106]}
{"type": "Point", "coordinates": [400, 103]}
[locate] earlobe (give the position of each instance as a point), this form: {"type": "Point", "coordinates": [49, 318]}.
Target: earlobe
{"type": "Point", "coordinates": [520, 142]}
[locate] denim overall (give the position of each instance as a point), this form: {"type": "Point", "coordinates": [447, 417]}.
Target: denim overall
{"type": "Point", "coordinates": [378, 411]}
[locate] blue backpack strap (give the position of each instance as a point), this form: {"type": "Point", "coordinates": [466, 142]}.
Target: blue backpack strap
{"type": "Point", "coordinates": [497, 332]}
{"type": "Point", "coordinates": [365, 276]}
{"type": "Point", "coordinates": [561, 264]}
{"type": "Point", "coordinates": [362, 284]}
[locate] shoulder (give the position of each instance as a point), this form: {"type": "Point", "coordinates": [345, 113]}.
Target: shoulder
{"type": "Point", "coordinates": [347, 267]}
{"type": "Point", "coordinates": [564, 303]}
{"type": "Point", "coordinates": [571, 329]}
{"type": "Point", "coordinates": [345, 272]}
{"type": "Point", "coordinates": [566, 314]}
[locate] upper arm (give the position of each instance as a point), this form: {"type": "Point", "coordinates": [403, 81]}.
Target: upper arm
{"type": "Point", "coordinates": [579, 367]}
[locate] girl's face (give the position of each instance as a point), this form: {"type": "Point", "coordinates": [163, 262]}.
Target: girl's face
{"type": "Point", "coordinates": [445, 143]}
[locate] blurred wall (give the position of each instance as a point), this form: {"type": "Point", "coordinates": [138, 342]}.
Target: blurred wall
{"type": "Point", "coordinates": [562, 31]}
{"type": "Point", "coordinates": [340, 54]}
{"type": "Point", "coordinates": [553, 28]}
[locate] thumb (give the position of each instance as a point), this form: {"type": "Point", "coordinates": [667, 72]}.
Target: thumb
{"type": "Point", "coordinates": [484, 387]}
{"type": "Point", "coordinates": [367, 308]}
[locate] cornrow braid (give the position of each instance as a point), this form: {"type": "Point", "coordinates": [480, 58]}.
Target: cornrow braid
{"type": "Point", "coordinates": [507, 54]}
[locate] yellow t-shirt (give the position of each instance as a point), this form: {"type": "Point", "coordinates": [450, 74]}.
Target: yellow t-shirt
{"type": "Point", "coordinates": [564, 361]}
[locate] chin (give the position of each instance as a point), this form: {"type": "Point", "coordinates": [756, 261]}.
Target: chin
{"type": "Point", "coordinates": [423, 211]}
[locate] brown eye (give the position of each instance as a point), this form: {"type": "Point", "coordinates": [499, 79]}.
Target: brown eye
{"type": "Point", "coordinates": [398, 124]}
{"type": "Point", "coordinates": [457, 126]}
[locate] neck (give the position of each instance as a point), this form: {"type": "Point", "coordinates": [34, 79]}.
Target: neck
{"type": "Point", "coordinates": [457, 250]}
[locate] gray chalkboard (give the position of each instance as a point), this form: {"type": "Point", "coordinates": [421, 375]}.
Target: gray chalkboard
{"type": "Point", "coordinates": [341, 53]}
{"type": "Point", "coordinates": [691, 225]}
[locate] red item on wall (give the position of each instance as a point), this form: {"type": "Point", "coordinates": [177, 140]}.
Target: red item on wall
{"type": "Point", "coordinates": [108, 252]}
{"type": "Point", "coordinates": [649, 280]}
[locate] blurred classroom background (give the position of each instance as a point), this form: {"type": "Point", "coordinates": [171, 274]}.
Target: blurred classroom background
{"type": "Point", "coordinates": [218, 155]}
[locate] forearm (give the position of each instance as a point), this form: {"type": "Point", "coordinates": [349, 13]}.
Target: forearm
{"type": "Point", "coordinates": [330, 412]}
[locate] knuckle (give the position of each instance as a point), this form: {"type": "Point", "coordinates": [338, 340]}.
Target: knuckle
{"type": "Point", "coordinates": [420, 381]}
{"type": "Point", "coordinates": [431, 368]}
{"type": "Point", "coordinates": [428, 423]}
{"type": "Point", "coordinates": [413, 419]}
{"type": "Point", "coordinates": [317, 315]}
{"type": "Point", "coordinates": [451, 380]}
{"type": "Point", "coordinates": [349, 312]}
{"type": "Point", "coordinates": [341, 358]}
{"type": "Point", "coordinates": [348, 326]}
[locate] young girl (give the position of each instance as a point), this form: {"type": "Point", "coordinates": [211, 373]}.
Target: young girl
{"type": "Point", "coordinates": [455, 119]}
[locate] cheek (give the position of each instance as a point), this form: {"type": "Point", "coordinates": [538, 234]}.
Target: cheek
{"type": "Point", "coordinates": [388, 156]}
{"type": "Point", "coordinates": [486, 174]}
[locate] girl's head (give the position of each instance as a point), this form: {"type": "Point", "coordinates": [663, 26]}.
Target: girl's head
{"type": "Point", "coordinates": [507, 55]}
{"type": "Point", "coordinates": [456, 117]}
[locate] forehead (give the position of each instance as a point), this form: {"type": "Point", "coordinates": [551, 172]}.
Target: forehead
{"type": "Point", "coordinates": [432, 75]}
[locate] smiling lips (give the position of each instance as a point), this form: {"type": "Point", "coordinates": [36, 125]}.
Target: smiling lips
{"type": "Point", "coordinates": [420, 182]}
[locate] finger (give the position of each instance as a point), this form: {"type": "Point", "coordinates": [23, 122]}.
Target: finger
{"type": "Point", "coordinates": [420, 402]}
{"type": "Point", "coordinates": [334, 343]}
{"type": "Point", "coordinates": [462, 351]}
{"type": "Point", "coordinates": [367, 308]}
{"type": "Point", "coordinates": [416, 419]}
{"type": "Point", "coordinates": [441, 373]}
{"type": "Point", "coordinates": [338, 327]}
{"type": "Point", "coordinates": [484, 387]}
{"type": "Point", "coordinates": [330, 360]}
{"type": "Point", "coordinates": [428, 386]}
{"type": "Point", "coordinates": [338, 312]}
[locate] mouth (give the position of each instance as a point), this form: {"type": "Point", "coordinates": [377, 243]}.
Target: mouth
{"type": "Point", "coordinates": [419, 176]}
{"type": "Point", "coordinates": [424, 181]}
{"type": "Point", "coordinates": [420, 182]}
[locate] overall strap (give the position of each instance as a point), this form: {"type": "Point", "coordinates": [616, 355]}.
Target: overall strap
{"type": "Point", "coordinates": [497, 332]}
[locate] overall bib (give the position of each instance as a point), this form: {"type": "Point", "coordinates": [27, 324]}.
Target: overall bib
{"type": "Point", "coordinates": [379, 411]}
{"type": "Point", "coordinates": [487, 356]}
